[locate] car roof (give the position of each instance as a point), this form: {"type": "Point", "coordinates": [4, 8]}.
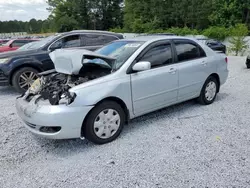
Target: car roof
{"type": "Point", "coordinates": [92, 31]}
{"type": "Point", "coordinates": [152, 38]}
{"type": "Point", "coordinates": [24, 39]}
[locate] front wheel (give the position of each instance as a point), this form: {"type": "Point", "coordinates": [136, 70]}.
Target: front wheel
{"type": "Point", "coordinates": [23, 78]}
{"type": "Point", "coordinates": [209, 91]}
{"type": "Point", "coordinates": [104, 123]}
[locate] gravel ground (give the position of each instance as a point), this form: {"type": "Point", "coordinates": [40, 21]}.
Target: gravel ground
{"type": "Point", "coordinates": [186, 145]}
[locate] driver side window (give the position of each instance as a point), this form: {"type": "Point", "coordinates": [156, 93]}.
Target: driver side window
{"type": "Point", "coordinates": [56, 45]}
{"type": "Point", "coordinates": [158, 56]}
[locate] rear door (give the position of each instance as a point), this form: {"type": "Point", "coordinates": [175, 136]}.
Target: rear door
{"type": "Point", "coordinates": [155, 88]}
{"type": "Point", "coordinates": [193, 68]}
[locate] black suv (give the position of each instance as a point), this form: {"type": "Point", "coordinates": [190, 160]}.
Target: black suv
{"type": "Point", "coordinates": [214, 45]}
{"type": "Point", "coordinates": [20, 68]}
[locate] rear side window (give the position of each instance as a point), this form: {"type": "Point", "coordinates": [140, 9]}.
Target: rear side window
{"type": "Point", "coordinates": [107, 39]}
{"type": "Point", "coordinates": [187, 51]}
{"type": "Point", "coordinates": [96, 39]}
{"type": "Point", "coordinates": [159, 55]}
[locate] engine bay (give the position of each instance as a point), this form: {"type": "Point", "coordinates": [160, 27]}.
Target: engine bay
{"type": "Point", "coordinates": [54, 86]}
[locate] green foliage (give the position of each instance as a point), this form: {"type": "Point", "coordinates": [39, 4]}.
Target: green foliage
{"type": "Point", "coordinates": [87, 14]}
{"type": "Point", "coordinates": [239, 30]}
{"type": "Point", "coordinates": [66, 23]}
{"type": "Point", "coordinates": [217, 32]}
{"type": "Point", "coordinates": [182, 31]}
{"type": "Point", "coordinates": [118, 30]}
{"type": "Point", "coordinates": [33, 26]}
{"type": "Point", "coordinates": [225, 13]}
{"type": "Point", "coordinates": [238, 44]}
{"type": "Point", "coordinates": [181, 17]}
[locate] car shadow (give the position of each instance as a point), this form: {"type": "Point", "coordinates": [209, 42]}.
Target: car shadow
{"type": "Point", "coordinates": [221, 96]}
{"type": "Point", "coordinates": [7, 90]}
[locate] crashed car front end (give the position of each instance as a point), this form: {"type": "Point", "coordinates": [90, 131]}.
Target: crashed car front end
{"type": "Point", "coordinates": [51, 121]}
{"type": "Point", "coordinates": [48, 107]}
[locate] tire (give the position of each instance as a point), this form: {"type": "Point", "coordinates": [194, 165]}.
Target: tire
{"type": "Point", "coordinates": [97, 129]}
{"type": "Point", "coordinates": [18, 76]}
{"type": "Point", "coordinates": [248, 66]}
{"type": "Point", "coordinates": [205, 99]}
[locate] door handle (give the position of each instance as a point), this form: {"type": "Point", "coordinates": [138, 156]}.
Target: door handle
{"type": "Point", "coordinates": [204, 63]}
{"type": "Point", "coordinates": [172, 70]}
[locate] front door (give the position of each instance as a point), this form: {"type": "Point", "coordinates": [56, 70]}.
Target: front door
{"type": "Point", "coordinates": [158, 87]}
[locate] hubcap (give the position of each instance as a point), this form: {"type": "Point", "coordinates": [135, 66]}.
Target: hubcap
{"type": "Point", "coordinates": [210, 91]}
{"type": "Point", "coordinates": [26, 79]}
{"type": "Point", "coordinates": [107, 123]}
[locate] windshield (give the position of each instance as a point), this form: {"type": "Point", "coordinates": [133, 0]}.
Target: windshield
{"type": "Point", "coordinates": [120, 50]}
{"type": "Point", "coordinates": [41, 43]}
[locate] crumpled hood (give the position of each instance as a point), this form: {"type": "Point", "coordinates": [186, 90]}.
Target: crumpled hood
{"type": "Point", "coordinates": [70, 61]}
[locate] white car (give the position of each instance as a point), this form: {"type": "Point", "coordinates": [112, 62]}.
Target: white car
{"type": "Point", "coordinates": [93, 94]}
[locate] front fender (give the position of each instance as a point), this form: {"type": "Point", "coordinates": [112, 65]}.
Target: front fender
{"type": "Point", "coordinates": [24, 62]}
{"type": "Point", "coordinates": [91, 95]}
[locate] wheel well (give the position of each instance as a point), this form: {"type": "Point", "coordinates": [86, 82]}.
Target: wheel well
{"type": "Point", "coordinates": [20, 67]}
{"type": "Point", "coordinates": [216, 76]}
{"type": "Point", "coordinates": [115, 99]}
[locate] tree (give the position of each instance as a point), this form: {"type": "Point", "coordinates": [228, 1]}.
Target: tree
{"type": "Point", "coordinates": [238, 43]}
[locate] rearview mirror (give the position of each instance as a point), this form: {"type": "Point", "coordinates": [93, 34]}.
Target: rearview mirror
{"type": "Point", "coordinates": [142, 66]}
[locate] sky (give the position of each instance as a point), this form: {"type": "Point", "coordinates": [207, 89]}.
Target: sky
{"type": "Point", "coordinates": [23, 10]}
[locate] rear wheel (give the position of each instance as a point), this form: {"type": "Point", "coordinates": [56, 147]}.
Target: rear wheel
{"type": "Point", "coordinates": [104, 123]}
{"type": "Point", "coordinates": [209, 91]}
{"type": "Point", "coordinates": [23, 78]}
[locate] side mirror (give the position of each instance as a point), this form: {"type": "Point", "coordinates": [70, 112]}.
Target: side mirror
{"type": "Point", "coordinates": [11, 45]}
{"type": "Point", "coordinates": [142, 66]}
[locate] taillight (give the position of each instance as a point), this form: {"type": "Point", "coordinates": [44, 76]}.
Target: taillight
{"type": "Point", "coordinates": [226, 59]}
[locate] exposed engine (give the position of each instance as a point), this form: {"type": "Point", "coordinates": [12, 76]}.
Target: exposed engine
{"type": "Point", "coordinates": [55, 86]}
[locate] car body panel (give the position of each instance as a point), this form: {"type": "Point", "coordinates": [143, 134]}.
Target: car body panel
{"type": "Point", "coordinates": [37, 116]}
{"type": "Point", "coordinates": [71, 61]}
{"type": "Point", "coordinates": [154, 88]}
{"type": "Point", "coordinates": [192, 75]}
{"type": "Point", "coordinates": [141, 92]}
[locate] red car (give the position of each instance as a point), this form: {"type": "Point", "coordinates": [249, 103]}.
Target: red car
{"type": "Point", "coordinates": [14, 44]}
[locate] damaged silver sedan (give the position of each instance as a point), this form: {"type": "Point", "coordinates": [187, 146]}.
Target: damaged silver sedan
{"type": "Point", "coordinates": [92, 94]}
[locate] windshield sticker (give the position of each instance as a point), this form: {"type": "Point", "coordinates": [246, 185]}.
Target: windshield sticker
{"type": "Point", "coordinates": [132, 45]}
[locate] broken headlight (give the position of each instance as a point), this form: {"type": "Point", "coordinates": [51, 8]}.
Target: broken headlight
{"type": "Point", "coordinates": [35, 86]}
{"type": "Point", "coordinates": [67, 98]}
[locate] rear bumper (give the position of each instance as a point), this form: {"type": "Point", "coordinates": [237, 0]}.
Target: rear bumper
{"type": "Point", "coordinates": [3, 79]}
